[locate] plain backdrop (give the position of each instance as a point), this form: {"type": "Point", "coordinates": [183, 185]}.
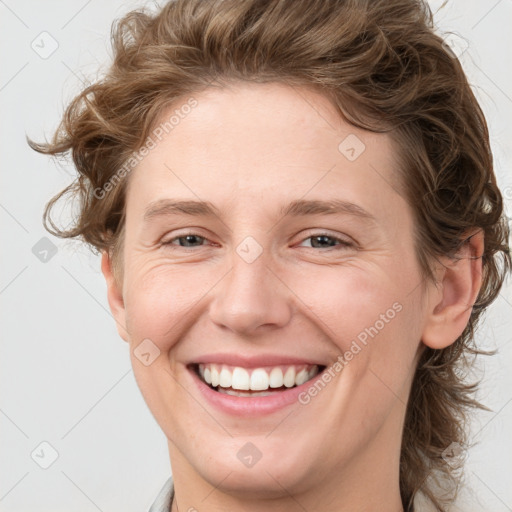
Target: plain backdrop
{"type": "Point", "coordinates": [66, 379]}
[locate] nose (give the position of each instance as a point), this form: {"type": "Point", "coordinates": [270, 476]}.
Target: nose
{"type": "Point", "coordinates": [251, 298]}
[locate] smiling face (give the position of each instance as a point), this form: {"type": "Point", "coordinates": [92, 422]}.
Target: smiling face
{"type": "Point", "coordinates": [262, 274]}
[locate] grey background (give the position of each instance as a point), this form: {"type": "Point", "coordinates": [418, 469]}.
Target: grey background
{"type": "Point", "coordinates": [65, 374]}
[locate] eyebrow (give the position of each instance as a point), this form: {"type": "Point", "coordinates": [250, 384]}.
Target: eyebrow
{"type": "Point", "coordinates": [174, 206]}
{"type": "Point", "coordinates": [297, 208]}
{"type": "Point", "coordinates": [302, 207]}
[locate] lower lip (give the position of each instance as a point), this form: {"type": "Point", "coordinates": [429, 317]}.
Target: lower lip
{"type": "Point", "coordinates": [251, 406]}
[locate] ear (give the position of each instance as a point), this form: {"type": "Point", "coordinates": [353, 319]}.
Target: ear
{"type": "Point", "coordinates": [451, 302]}
{"type": "Point", "coordinates": [115, 296]}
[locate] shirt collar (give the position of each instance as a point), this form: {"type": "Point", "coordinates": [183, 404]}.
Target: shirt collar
{"type": "Point", "coordinates": [163, 501]}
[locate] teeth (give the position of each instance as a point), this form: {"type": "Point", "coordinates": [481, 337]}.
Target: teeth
{"type": "Point", "coordinates": [259, 379]}
{"type": "Point", "coordinates": [289, 377]}
{"type": "Point", "coordinates": [215, 376]}
{"type": "Point", "coordinates": [225, 378]}
{"type": "Point", "coordinates": [245, 393]}
{"type": "Point", "coordinates": [276, 378]}
{"type": "Point", "coordinates": [241, 379]}
{"type": "Point", "coordinates": [301, 377]}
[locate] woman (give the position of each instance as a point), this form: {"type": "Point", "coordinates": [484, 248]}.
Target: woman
{"type": "Point", "coordinates": [300, 227]}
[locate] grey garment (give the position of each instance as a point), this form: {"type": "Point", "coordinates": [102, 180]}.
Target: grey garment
{"type": "Point", "coordinates": [164, 499]}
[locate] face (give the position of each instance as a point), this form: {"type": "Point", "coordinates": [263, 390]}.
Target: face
{"type": "Point", "coordinates": [313, 314]}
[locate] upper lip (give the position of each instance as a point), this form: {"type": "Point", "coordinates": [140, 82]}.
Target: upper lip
{"type": "Point", "coordinates": [254, 361]}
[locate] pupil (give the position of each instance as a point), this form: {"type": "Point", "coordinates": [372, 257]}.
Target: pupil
{"type": "Point", "coordinates": [324, 238]}
{"type": "Point", "coordinates": [189, 238]}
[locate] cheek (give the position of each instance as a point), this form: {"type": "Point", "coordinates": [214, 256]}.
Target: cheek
{"type": "Point", "coordinates": [161, 299]}
{"type": "Point", "coordinates": [356, 303]}
{"type": "Point", "coordinates": [374, 318]}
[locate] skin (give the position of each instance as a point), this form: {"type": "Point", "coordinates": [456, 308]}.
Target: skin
{"type": "Point", "coordinates": [250, 149]}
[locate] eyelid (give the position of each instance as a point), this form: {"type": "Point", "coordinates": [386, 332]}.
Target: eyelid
{"type": "Point", "coordinates": [313, 232]}
{"type": "Point", "coordinates": [169, 241]}
{"type": "Point", "coordinates": [344, 240]}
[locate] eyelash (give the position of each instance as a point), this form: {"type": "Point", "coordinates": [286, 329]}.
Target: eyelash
{"type": "Point", "coordinates": [342, 243]}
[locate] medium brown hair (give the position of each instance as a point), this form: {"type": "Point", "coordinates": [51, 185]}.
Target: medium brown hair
{"type": "Point", "coordinates": [384, 68]}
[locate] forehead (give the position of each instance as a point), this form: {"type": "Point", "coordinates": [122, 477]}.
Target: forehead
{"type": "Point", "coordinates": [252, 141]}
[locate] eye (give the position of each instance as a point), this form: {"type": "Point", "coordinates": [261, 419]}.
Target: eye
{"type": "Point", "coordinates": [186, 240]}
{"type": "Point", "coordinates": [318, 241]}
{"type": "Point", "coordinates": [326, 241]}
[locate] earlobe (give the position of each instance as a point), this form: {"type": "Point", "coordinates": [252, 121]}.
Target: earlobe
{"type": "Point", "coordinates": [114, 295]}
{"type": "Point", "coordinates": [452, 299]}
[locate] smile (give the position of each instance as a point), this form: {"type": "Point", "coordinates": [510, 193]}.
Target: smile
{"type": "Point", "coordinates": [254, 382]}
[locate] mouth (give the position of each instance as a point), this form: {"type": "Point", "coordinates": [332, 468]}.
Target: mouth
{"type": "Point", "coordinates": [254, 382]}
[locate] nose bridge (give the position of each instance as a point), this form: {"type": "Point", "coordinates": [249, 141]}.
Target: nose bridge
{"type": "Point", "coordinates": [250, 296]}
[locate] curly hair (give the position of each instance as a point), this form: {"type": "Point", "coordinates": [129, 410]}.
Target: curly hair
{"type": "Point", "coordinates": [384, 69]}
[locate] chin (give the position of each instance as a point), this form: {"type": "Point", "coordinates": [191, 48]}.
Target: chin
{"type": "Point", "coordinates": [251, 472]}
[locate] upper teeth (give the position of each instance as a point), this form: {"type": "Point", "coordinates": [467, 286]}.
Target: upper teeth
{"type": "Point", "coordinates": [257, 379]}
